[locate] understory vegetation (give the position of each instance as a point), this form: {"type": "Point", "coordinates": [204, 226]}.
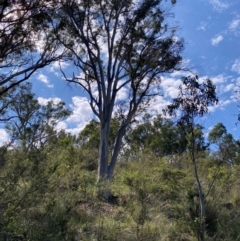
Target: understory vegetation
{"type": "Point", "coordinates": [50, 193]}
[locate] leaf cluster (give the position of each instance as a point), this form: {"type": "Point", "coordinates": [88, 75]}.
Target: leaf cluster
{"type": "Point", "coordinates": [194, 99]}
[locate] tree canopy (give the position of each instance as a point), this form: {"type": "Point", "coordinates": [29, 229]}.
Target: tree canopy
{"type": "Point", "coordinates": [117, 46]}
{"type": "Point", "coordinates": [28, 123]}
{"type": "Point", "coordinates": [26, 40]}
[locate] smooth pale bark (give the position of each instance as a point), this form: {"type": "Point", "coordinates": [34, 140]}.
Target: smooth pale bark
{"type": "Point", "coordinates": [106, 168]}
{"type": "Point", "coordinates": [116, 151]}
{"type": "Point", "coordinates": [103, 154]}
{"type": "Point", "coordinates": [137, 55]}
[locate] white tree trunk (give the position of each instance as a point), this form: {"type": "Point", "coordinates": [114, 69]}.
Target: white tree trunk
{"type": "Point", "coordinates": [103, 154]}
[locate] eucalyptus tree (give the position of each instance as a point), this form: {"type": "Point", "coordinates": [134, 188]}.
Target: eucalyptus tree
{"type": "Point", "coordinates": [24, 168]}
{"type": "Point", "coordinates": [162, 137]}
{"type": "Point", "coordinates": [26, 42]}
{"type": "Point", "coordinates": [119, 49]}
{"type": "Point", "coordinates": [156, 134]}
{"type": "Point", "coordinates": [227, 146]}
{"type": "Point", "coordinates": [28, 123]}
{"type": "Point", "coordinates": [193, 101]}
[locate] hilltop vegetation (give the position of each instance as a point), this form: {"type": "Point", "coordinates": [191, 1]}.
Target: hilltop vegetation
{"type": "Point", "coordinates": [49, 192]}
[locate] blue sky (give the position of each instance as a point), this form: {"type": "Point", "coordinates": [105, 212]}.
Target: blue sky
{"type": "Point", "coordinates": [211, 30]}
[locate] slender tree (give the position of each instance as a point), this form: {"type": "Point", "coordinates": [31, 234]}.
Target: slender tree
{"type": "Point", "coordinates": [119, 49]}
{"type": "Point", "coordinates": [193, 100]}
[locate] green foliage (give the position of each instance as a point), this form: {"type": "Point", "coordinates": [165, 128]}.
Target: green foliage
{"type": "Point", "coordinates": [89, 136]}
{"type": "Point", "coordinates": [48, 180]}
{"type": "Point", "coordinates": [56, 198]}
{"type": "Point", "coordinates": [49, 192]}
{"type": "Point", "coordinates": [193, 100]}
{"type": "Point", "coordinates": [218, 131]}
{"type": "Point", "coordinates": [23, 23]}
{"type": "Point", "coordinates": [157, 134]}
{"type": "Point", "coordinates": [227, 147]}
{"type": "Point", "coordinates": [198, 135]}
{"type": "Point", "coordinates": [140, 48]}
{"type": "Point", "coordinates": [29, 124]}
{"type": "Point", "coordinates": [162, 137]}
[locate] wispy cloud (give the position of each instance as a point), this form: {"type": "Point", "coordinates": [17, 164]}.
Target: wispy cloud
{"type": "Point", "coordinates": [122, 94]}
{"type": "Point", "coordinates": [44, 101]}
{"type": "Point", "coordinates": [219, 5]}
{"type": "Point", "coordinates": [55, 66]}
{"type": "Point", "coordinates": [221, 105]}
{"type": "Point", "coordinates": [234, 26]}
{"type": "Point", "coordinates": [224, 103]}
{"type": "Point", "coordinates": [226, 88]}
{"type": "Point", "coordinates": [216, 40]}
{"type": "Point", "coordinates": [202, 26]}
{"type": "Point", "coordinates": [238, 82]}
{"type": "Point", "coordinates": [219, 79]}
{"type": "Point", "coordinates": [43, 78]}
{"type": "Point", "coordinates": [236, 66]}
{"type": "Point", "coordinates": [171, 89]}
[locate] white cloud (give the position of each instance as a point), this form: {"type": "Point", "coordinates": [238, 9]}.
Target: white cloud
{"type": "Point", "coordinates": [61, 125]}
{"type": "Point", "coordinates": [213, 108]}
{"type": "Point", "coordinates": [224, 83]}
{"type": "Point", "coordinates": [170, 87]}
{"type": "Point", "coordinates": [158, 105]}
{"type": "Point", "coordinates": [226, 88]}
{"type": "Point", "coordinates": [221, 105]}
{"type": "Point", "coordinates": [43, 78]}
{"type": "Point", "coordinates": [235, 25]}
{"type": "Point", "coordinates": [238, 82]}
{"type": "Point", "coordinates": [236, 66]}
{"type": "Point", "coordinates": [40, 43]}
{"type": "Point", "coordinates": [219, 79]}
{"type": "Point", "coordinates": [54, 67]}
{"type": "Point", "coordinates": [122, 94]}
{"type": "Point", "coordinates": [80, 117]}
{"type": "Point", "coordinates": [82, 114]}
{"type": "Point", "coordinates": [202, 26]}
{"type": "Point", "coordinates": [216, 40]}
{"type": "Point", "coordinates": [44, 101]}
{"type": "Point", "coordinates": [178, 74]}
{"type": "Point", "coordinates": [229, 87]}
{"type": "Point", "coordinates": [81, 109]}
{"type": "Point", "coordinates": [224, 103]}
{"type": "Point", "coordinates": [219, 5]}
{"type": "Point", "coordinates": [4, 138]}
